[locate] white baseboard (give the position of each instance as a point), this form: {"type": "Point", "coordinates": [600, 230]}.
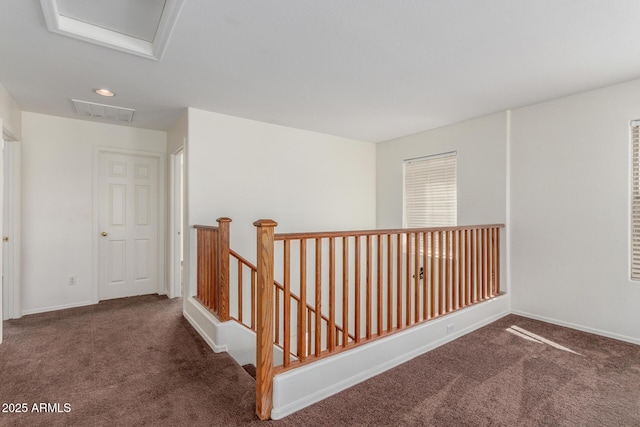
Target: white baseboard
{"type": "Point", "coordinates": [208, 319]}
{"type": "Point", "coordinates": [577, 327]}
{"type": "Point", "coordinates": [291, 391]}
{"type": "Point", "coordinates": [55, 307]}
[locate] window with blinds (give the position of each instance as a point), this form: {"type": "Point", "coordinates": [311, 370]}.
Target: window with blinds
{"type": "Point", "coordinates": [430, 191]}
{"type": "Point", "coordinates": [635, 201]}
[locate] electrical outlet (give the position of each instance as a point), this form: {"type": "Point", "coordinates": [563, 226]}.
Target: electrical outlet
{"type": "Point", "coordinates": [73, 280]}
{"type": "Point", "coordinates": [450, 328]}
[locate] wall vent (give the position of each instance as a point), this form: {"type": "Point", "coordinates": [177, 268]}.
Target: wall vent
{"type": "Point", "coordinates": [102, 111]}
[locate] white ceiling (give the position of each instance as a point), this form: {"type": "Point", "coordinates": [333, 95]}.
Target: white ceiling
{"type": "Point", "coordinates": [367, 69]}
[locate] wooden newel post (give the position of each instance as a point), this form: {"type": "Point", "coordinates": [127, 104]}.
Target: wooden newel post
{"type": "Point", "coordinates": [264, 327]}
{"type": "Point", "coordinates": [223, 268]}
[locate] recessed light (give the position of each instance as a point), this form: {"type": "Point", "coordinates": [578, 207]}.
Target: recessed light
{"type": "Point", "coordinates": [104, 92]}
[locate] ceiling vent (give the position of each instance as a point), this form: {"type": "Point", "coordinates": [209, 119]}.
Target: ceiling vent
{"type": "Point", "coordinates": [104, 112]}
{"type": "Point", "coordinates": [141, 28]}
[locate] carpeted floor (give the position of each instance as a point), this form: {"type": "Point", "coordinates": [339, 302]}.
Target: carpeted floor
{"type": "Point", "coordinates": [136, 361]}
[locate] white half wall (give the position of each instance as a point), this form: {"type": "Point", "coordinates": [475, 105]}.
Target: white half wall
{"type": "Point", "coordinates": [291, 390]}
{"type": "Point", "coordinates": [57, 204]}
{"type": "Point", "coordinates": [481, 146]}
{"type": "Point", "coordinates": [570, 193]}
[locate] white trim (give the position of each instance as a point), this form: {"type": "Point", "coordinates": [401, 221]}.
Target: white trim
{"type": "Point", "coordinates": [12, 273]}
{"type": "Point", "coordinates": [507, 225]}
{"type": "Point", "coordinates": [1, 209]}
{"type": "Point", "coordinates": [7, 135]}
{"type": "Point", "coordinates": [161, 157]}
{"type": "Point", "coordinates": [56, 307]}
{"type": "Point", "coordinates": [205, 336]}
{"type": "Point", "coordinates": [577, 327]}
{"type": "Point", "coordinates": [59, 24]}
{"type": "Point", "coordinates": [176, 188]}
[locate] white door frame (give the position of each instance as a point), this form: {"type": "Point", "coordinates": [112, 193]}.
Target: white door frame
{"type": "Point", "coordinates": [11, 273]}
{"type": "Point", "coordinates": [175, 226]}
{"type": "Point", "coordinates": [162, 184]}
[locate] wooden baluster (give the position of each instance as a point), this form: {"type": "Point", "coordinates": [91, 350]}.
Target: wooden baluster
{"type": "Point", "coordinates": [318, 293]}
{"type": "Point", "coordinates": [276, 318]}
{"type": "Point", "coordinates": [482, 265]}
{"type": "Point", "coordinates": [389, 283]}
{"type": "Point", "coordinates": [416, 277]}
{"type": "Point", "coordinates": [379, 289]}
{"type": "Point", "coordinates": [331, 327]}
{"type": "Point", "coordinates": [399, 281]}
{"type": "Point", "coordinates": [441, 275]}
{"type": "Point", "coordinates": [473, 296]}
{"type": "Point", "coordinates": [479, 265]}
{"type": "Point", "coordinates": [425, 289]}
{"type": "Point", "coordinates": [264, 333]}
{"type": "Point", "coordinates": [480, 261]}
{"type": "Point", "coordinates": [455, 290]}
{"type": "Point", "coordinates": [302, 307]}
{"type": "Point", "coordinates": [447, 272]}
{"type": "Point", "coordinates": [309, 330]}
{"type": "Point", "coordinates": [254, 308]}
{"type": "Point", "coordinates": [223, 263]}
{"type": "Point", "coordinates": [432, 275]}
{"type": "Point", "coordinates": [345, 291]}
{"type": "Point", "coordinates": [492, 253]}
{"type": "Point", "coordinates": [487, 263]}
{"type": "Point", "coordinates": [468, 267]}
{"type": "Point", "coordinates": [357, 289]}
{"type": "Point", "coordinates": [497, 261]}
{"type": "Point", "coordinates": [287, 302]}
{"type": "Point", "coordinates": [240, 291]}
{"type": "Point", "coordinates": [408, 294]}
{"type": "Point", "coordinates": [368, 300]}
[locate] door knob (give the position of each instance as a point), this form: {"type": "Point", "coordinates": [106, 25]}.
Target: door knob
{"type": "Point", "coordinates": [104, 234]}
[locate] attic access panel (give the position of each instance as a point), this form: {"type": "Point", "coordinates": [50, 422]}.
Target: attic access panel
{"type": "Point", "coordinates": [141, 28]}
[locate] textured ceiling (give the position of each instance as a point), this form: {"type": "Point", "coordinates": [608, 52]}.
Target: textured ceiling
{"type": "Point", "coordinates": [367, 69]}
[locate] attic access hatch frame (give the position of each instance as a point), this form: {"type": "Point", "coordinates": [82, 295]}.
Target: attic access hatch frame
{"type": "Point", "coordinates": [60, 24]}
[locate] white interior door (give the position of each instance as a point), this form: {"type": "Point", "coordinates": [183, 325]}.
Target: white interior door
{"type": "Point", "coordinates": [128, 221]}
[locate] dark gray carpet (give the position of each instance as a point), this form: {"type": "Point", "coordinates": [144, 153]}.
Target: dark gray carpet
{"type": "Point", "coordinates": [136, 361]}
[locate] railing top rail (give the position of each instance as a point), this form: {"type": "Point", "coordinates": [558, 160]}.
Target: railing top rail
{"type": "Point", "coordinates": [241, 259]}
{"type": "Point", "coordinates": [355, 233]}
{"type": "Point", "coordinates": [205, 227]}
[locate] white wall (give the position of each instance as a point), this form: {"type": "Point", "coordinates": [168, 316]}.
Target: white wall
{"type": "Point", "coordinates": [10, 114]}
{"type": "Point", "coordinates": [481, 169]}
{"type": "Point", "coordinates": [570, 191]}
{"type": "Point", "coordinates": [57, 203]}
{"type": "Point", "coordinates": [248, 170]}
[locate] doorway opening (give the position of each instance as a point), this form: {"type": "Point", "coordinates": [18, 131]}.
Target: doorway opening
{"type": "Point", "coordinates": [176, 221]}
{"type": "Point", "coordinates": [11, 297]}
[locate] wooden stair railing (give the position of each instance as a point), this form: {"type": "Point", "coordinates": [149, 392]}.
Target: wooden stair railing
{"type": "Point", "coordinates": [365, 285]}
{"type": "Point", "coordinates": [213, 267]}
{"type": "Point", "coordinates": [279, 304]}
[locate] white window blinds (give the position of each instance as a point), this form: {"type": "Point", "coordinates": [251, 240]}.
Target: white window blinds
{"type": "Point", "coordinates": [635, 202]}
{"type": "Point", "coordinates": [430, 192]}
